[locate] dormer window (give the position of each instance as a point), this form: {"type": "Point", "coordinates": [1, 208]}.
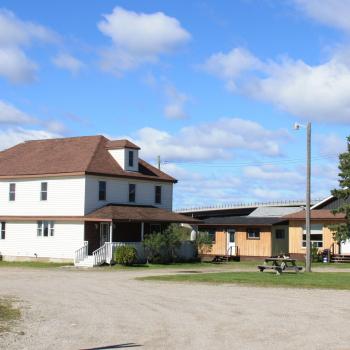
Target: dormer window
{"type": "Point", "coordinates": [131, 159]}
{"type": "Point", "coordinates": [102, 190]}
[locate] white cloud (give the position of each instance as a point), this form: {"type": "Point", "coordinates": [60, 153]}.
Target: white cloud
{"type": "Point", "coordinates": [68, 62]}
{"type": "Point", "coordinates": [330, 144]}
{"type": "Point", "coordinates": [229, 66]}
{"type": "Point", "coordinates": [319, 92]}
{"type": "Point", "coordinates": [175, 109]}
{"type": "Point", "coordinates": [13, 136]}
{"type": "Point", "coordinates": [138, 38]}
{"type": "Point", "coordinates": [9, 114]}
{"type": "Point", "coordinates": [216, 140]}
{"type": "Point", "coordinates": [15, 35]}
{"type": "Point", "coordinates": [334, 13]}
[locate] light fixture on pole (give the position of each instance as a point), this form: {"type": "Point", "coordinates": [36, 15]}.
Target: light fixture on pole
{"type": "Point", "coordinates": [308, 194]}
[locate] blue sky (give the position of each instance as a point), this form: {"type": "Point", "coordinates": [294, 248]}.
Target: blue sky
{"type": "Point", "coordinates": [214, 87]}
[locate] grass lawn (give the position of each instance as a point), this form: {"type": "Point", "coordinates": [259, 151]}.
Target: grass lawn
{"type": "Point", "coordinates": [8, 314]}
{"type": "Point", "coordinates": [328, 280]}
{"type": "Point", "coordinates": [35, 264]}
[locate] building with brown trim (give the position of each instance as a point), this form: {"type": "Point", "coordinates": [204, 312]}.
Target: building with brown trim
{"type": "Point", "coordinates": [77, 198]}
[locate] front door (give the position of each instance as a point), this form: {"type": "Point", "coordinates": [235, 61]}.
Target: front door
{"type": "Point", "coordinates": [231, 245]}
{"type": "Point", "coordinates": [104, 233]}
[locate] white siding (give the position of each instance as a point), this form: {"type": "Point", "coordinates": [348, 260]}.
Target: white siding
{"type": "Point", "coordinates": [65, 197]}
{"type": "Point", "coordinates": [118, 192]}
{"type": "Point", "coordinates": [122, 158]}
{"type": "Point", "coordinates": [22, 240]}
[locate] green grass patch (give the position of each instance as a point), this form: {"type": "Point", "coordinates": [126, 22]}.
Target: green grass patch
{"type": "Point", "coordinates": [327, 280]}
{"type": "Point", "coordinates": [8, 314]}
{"type": "Point", "coordinates": [32, 264]}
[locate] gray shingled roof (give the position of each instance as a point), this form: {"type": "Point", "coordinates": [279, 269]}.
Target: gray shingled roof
{"type": "Point", "coordinates": [242, 220]}
{"type": "Point", "coordinates": [274, 211]}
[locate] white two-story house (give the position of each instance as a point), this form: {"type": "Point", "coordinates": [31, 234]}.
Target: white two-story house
{"type": "Point", "coordinates": [73, 198]}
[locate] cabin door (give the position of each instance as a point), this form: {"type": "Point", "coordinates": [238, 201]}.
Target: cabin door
{"type": "Point", "coordinates": [231, 244]}
{"type": "Point", "coordinates": [104, 233]}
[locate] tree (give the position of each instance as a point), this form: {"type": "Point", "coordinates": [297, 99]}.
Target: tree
{"type": "Point", "coordinates": [161, 247]}
{"type": "Point", "coordinates": [341, 232]}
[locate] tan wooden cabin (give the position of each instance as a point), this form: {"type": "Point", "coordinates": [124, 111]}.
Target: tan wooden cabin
{"type": "Point", "coordinates": [321, 235]}
{"type": "Point", "coordinates": [246, 237]}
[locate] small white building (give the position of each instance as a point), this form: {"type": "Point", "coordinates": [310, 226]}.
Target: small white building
{"type": "Point", "coordinates": [75, 199]}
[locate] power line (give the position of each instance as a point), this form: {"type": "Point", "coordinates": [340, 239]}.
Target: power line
{"type": "Point", "coordinates": [252, 163]}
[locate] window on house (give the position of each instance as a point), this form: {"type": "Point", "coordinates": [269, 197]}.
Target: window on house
{"type": "Point", "coordinates": [131, 158]}
{"type": "Point", "coordinates": [280, 233]}
{"type": "Point", "coordinates": [253, 233]}
{"type": "Point", "coordinates": [316, 235]}
{"type": "Point", "coordinates": [132, 192]}
{"type": "Point", "coordinates": [102, 189]}
{"type": "Point", "coordinates": [3, 230]}
{"type": "Point", "coordinates": [43, 191]}
{"type": "Point", "coordinates": [12, 192]}
{"type": "Point", "coordinates": [45, 228]}
{"type": "Point", "coordinates": [212, 235]}
{"type": "Point", "coordinates": [158, 194]}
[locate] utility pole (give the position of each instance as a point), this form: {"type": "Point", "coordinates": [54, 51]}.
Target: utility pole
{"type": "Point", "coordinates": [308, 200]}
{"type": "Point", "coordinates": [158, 162]}
{"type": "Point", "coordinates": [308, 194]}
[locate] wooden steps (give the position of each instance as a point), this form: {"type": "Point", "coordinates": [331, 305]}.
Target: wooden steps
{"type": "Point", "coordinates": [340, 258]}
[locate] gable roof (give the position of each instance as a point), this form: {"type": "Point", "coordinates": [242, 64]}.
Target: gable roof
{"type": "Point", "coordinates": [317, 214]}
{"type": "Point", "coordinates": [117, 144]}
{"type": "Point", "coordinates": [71, 156]}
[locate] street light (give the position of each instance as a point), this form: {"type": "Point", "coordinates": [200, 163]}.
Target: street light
{"type": "Point", "coordinates": [308, 193]}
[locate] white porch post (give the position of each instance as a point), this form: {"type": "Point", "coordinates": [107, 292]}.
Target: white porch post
{"type": "Point", "coordinates": [142, 230]}
{"type": "Point", "coordinates": [110, 232]}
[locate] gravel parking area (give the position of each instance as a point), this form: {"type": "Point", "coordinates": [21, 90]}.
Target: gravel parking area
{"type": "Point", "coordinates": [70, 309]}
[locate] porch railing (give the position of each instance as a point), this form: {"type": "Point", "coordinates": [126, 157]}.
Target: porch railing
{"type": "Point", "coordinates": [81, 253]}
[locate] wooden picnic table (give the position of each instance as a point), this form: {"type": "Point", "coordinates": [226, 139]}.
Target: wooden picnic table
{"type": "Point", "coordinates": [280, 264]}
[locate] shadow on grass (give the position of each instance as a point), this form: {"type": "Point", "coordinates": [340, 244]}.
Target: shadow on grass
{"type": "Point", "coordinates": [117, 346]}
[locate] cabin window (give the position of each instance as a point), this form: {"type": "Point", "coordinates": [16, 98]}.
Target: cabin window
{"type": "Point", "coordinates": [102, 190]}
{"type": "Point", "coordinates": [158, 194]}
{"type": "Point", "coordinates": [3, 230]}
{"type": "Point", "coordinates": [316, 235]}
{"type": "Point", "coordinates": [132, 193]}
{"type": "Point", "coordinates": [131, 159]}
{"type": "Point", "coordinates": [280, 233]}
{"type": "Point", "coordinates": [253, 233]}
{"type": "Point", "coordinates": [46, 228]}
{"type": "Point", "coordinates": [212, 235]}
{"type": "Point", "coordinates": [12, 192]}
{"type": "Point", "coordinates": [43, 191]}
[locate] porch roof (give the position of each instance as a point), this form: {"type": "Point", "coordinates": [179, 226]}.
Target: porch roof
{"type": "Point", "coordinates": [118, 212]}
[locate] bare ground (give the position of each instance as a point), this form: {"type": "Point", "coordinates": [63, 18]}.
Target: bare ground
{"type": "Point", "coordinates": [69, 309]}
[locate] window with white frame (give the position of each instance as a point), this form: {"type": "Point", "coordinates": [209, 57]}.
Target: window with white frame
{"type": "Point", "coordinates": [316, 236]}
{"type": "Point", "coordinates": [12, 192]}
{"type": "Point", "coordinates": [3, 230]}
{"type": "Point", "coordinates": [46, 229]}
{"type": "Point", "coordinates": [43, 191]}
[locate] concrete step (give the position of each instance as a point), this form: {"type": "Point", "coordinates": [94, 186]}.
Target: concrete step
{"type": "Point", "coordinates": [87, 262]}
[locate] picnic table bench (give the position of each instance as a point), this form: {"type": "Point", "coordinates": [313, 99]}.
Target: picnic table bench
{"type": "Point", "coordinates": [279, 265]}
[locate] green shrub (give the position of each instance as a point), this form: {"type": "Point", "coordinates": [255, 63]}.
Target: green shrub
{"type": "Point", "coordinates": [160, 247]}
{"type": "Point", "coordinates": [125, 255]}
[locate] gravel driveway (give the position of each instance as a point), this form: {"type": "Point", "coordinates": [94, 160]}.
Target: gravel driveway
{"type": "Point", "coordinates": [69, 309]}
